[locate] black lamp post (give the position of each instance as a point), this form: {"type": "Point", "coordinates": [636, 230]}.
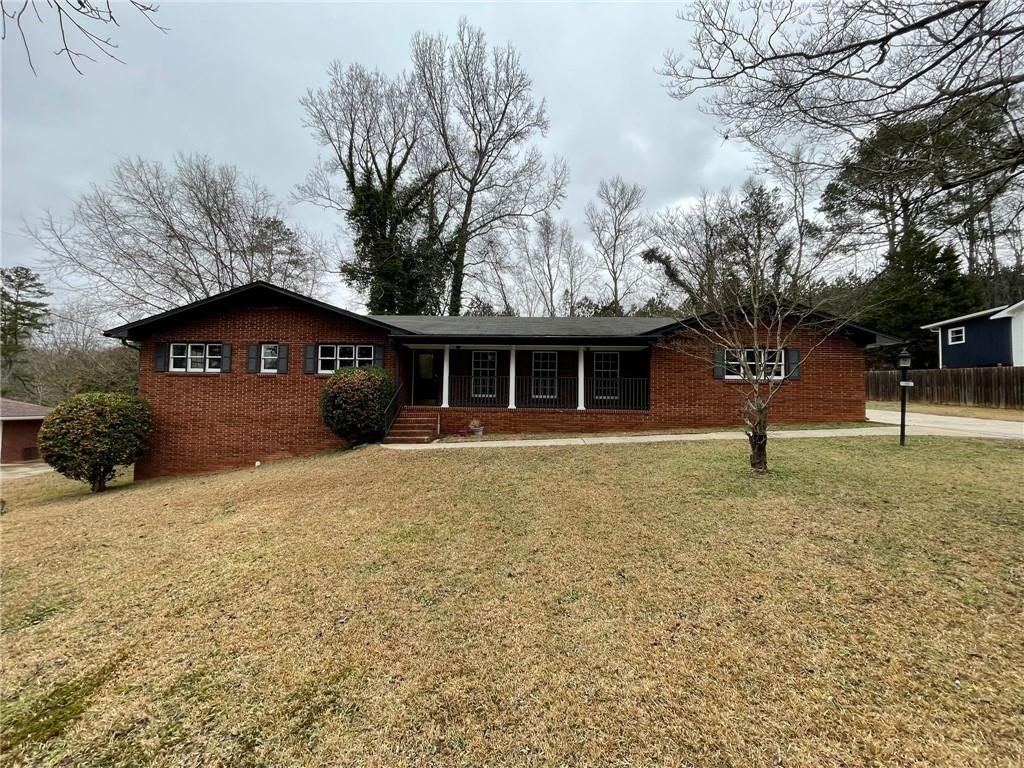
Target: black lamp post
{"type": "Point", "coordinates": [904, 366]}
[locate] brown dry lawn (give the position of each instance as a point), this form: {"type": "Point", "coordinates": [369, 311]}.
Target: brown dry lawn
{"type": "Point", "coordinates": [640, 605]}
{"type": "Point", "coordinates": [936, 409]}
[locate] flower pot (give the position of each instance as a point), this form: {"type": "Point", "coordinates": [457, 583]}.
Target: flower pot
{"type": "Point", "coordinates": [477, 431]}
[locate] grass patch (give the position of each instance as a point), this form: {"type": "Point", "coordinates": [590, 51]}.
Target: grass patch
{"type": "Point", "coordinates": [641, 605]}
{"type": "Point", "coordinates": [36, 612]}
{"type": "Point", "coordinates": [28, 721]}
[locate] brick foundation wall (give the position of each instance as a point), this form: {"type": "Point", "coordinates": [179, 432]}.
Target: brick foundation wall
{"type": "Point", "coordinates": [684, 393]}
{"type": "Point", "coordinates": [19, 441]}
{"type": "Point", "coordinates": [214, 421]}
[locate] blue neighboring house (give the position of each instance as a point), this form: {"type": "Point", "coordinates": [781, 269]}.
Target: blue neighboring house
{"type": "Point", "coordinates": [990, 337]}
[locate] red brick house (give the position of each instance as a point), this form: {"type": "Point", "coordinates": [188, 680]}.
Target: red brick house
{"type": "Point", "coordinates": [235, 378]}
{"type": "Point", "coordinates": [19, 430]}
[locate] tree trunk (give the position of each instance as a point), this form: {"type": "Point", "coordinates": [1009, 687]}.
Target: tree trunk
{"type": "Point", "coordinates": [99, 483]}
{"type": "Point", "coordinates": [758, 452]}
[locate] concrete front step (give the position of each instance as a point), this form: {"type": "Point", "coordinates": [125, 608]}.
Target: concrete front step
{"type": "Point", "coordinates": [429, 434]}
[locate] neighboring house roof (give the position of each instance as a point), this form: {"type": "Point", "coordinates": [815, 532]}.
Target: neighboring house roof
{"type": "Point", "coordinates": [532, 327]}
{"type": "Point", "coordinates": [16, 410]}
{"type": "Point", "coordinates": [139, 329]}
{"type": "Point", "coordinates": [995, 313]}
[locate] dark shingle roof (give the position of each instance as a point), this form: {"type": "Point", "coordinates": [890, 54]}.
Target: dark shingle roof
{"type": "Point", "coordinates": [551, 327]}
{"type": "Point", "coordinates": [15, 409]}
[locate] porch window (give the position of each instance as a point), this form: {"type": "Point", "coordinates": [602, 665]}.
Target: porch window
{"type": "Point", "coordinates": [485, 369]}
{"type": "Point", "coordinates": [763, 363]}
{"type": "Point", "coordinates": [606, 375]}
{"type": "Point", "coordinates": [544, 382]}
{"type": "Point", "coordinates": [331, 357]}
{"type": "Point", "coordinates": [196, 358]}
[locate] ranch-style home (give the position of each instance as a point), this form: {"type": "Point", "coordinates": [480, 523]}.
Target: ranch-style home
{"type": "Point", "coordinates": [235, 378]}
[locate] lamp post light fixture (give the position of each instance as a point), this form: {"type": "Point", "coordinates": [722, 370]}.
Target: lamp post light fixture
{"type": "Point", "coordinates": [904, 365]}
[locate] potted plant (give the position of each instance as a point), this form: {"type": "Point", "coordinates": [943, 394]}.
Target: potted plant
{"type": "Point", "coordinates": [476, 427]}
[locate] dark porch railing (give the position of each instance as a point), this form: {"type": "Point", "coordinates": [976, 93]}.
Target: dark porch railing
{"type": "Point", "coordinates": [549, 392]}
{"type": "Point", "coordinates": [617, 394]}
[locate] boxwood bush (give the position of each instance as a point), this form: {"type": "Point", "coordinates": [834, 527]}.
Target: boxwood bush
{"type": "Point", "coordinates": [87, 437]}
{"type": "Point", "coordinates": [354, 401]}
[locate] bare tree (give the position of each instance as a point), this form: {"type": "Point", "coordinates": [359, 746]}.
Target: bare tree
{"type": "Point", "coordinates": [750, 270]}
{"type": "Point", "coordinates": [481, 107]}
{"type": "Point", "coordinates": [832, 71]}
{"type": "Point", "coordinates": [72, 356]}
{"type": "Point", "coordinates": [577, 270]}
{"type": "Point", "coordinates": [81, 24]}
{"type": "Point", "coordinates": [392, 186]}
{"type": "Point", "coordinates": [153, 238]}
{"type": "Point", "coordinates": [620, 233]}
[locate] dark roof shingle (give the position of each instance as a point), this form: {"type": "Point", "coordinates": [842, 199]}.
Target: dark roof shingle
{"type": "Point", "coordinates": [552, 327]}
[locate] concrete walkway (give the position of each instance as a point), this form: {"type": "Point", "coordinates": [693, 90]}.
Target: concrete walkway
{"type": "Point", "coordinates": [917, 425]}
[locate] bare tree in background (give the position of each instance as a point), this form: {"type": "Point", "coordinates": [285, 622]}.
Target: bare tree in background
{"type": "Point", "coordinates": [750, 268]}
{"type": "Point", "coordinates": [556, 266]}
{"type": "Point", "coordinates": [481, 107]}
{"type": "Point", "coordinates": [620, 233]}
{"type": "Point", "coordinates": [382, 170]}
{"type": "Point", "coordinates": [82, 25]}
{"type": "Point", "coordinates": [153, 238]}
{"type": "Point", "coordinates": [830, 72]}
{"type": "Point", "coordinates": [72, 356]}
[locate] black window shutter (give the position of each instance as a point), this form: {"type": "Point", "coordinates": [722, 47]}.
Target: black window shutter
{"type": "Point", "coordinates": [225, 358]}
{"type": "Point", "coordinates": [282, 358]}
{"type": "Point", "coordinates": [310, 358]}
{"type": "Point", "coordinates": [378, 355]}
{"type": "Point", "coordinates": [160, 350]}
{"type": "Point", "coordinates": [719, 363]}
{"type": "Point", "coordinates": [792, 363]}
{"type": "Point", "coordinates": [252, 360]}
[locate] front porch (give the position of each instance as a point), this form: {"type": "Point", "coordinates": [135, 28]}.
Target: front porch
{"type": "Point", "coordinates": [534, 377]}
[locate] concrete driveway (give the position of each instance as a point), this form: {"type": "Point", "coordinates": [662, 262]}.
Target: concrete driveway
{"type": "Point", "coordinates": [957, 426]}
{"type": "Point", "coordinates": [26, 469]}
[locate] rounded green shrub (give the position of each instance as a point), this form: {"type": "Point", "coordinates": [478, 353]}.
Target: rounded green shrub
{"type": "Point", "coordinates": [87, 437]}
{"type": "Point", "coordinates": [354, 402]}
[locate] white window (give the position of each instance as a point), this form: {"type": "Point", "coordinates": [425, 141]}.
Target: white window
{"type": "Point", "coordinates": [195, 358]}
{"type": "Point", "coordinates": [606, 375]}
{"type": "Point", "coordinates": [957, 335]}
{"type": "Point", "coordinates": [485, 369]}
{"type": "Point", "coordinates": [331, 357]}
{"type": "Point", "coordinates": [544, 382]}
{"type": "Point", "coordinates": [268, 358]}
{"type": "Point", "coordinates": [762, 363]}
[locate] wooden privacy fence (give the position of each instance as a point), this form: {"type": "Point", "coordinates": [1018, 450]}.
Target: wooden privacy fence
{"type": "Point", "coordinates": [992, 387]}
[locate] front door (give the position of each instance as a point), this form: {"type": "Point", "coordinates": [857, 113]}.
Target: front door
{"type": "Point", "coordinates": [426, 377]}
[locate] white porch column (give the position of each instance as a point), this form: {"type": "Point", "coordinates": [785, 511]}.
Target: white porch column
{"type": "Point", "coordinates": [580, 388]}
{"type": "Point", "coordinates": [444, 377]}
{"type": "Point", "coordinates": [512, 378]}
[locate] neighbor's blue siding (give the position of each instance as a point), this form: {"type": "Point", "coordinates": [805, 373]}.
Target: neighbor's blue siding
{"type": "Point", "coordinates": [988, 343]}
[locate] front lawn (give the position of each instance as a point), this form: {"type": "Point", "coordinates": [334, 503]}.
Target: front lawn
{"type": "Point", "coordinates": [641, 605]}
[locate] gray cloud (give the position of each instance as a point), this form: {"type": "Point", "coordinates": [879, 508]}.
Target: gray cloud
{"type": "Point", "coordinates": [226, 79]}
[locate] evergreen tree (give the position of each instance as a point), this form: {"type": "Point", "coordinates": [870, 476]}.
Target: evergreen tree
{"type": "Point", "coordinates": [922, 283]}
{"type": "Point", "coordinates": [22, 313]}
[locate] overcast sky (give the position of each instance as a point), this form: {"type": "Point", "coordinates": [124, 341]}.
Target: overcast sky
{"type": "Point", "coordinates": [226, 79]}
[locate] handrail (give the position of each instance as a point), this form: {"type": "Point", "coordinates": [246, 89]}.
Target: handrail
{"type": "Point", "coordinates": [390, 412]}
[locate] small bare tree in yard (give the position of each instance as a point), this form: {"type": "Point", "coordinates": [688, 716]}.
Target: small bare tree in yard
{"type": "Point", "coordinates": [750, 269]}
{"type": "Point", "coordinates": [153, 238]}
{"type": "Point", "coordinates": [556, 266]}
{"type": "Point", "coordinates": [620, 232]}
